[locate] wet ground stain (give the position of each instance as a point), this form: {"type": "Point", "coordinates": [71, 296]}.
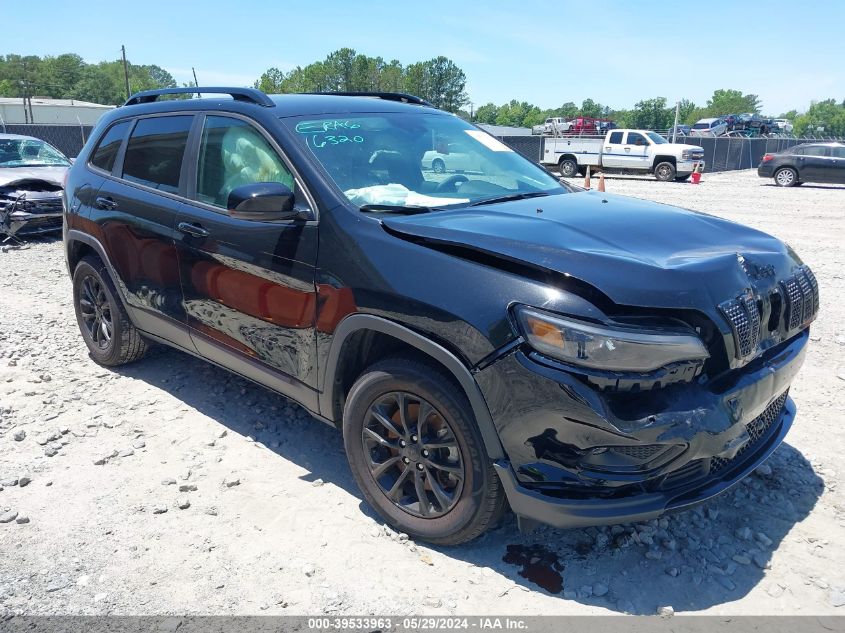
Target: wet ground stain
{"type": "Point", "coordinates": [538, 565]}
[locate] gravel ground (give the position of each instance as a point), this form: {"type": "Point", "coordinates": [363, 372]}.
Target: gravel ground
{"type": "Point", "coordinates": [172, 487]}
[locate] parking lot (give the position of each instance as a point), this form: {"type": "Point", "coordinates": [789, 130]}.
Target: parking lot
{"type": "Point", "coordinates": [170, 486]}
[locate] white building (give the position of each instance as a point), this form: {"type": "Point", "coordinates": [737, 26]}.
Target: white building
{"type": "Point", "coordinates": [50, 111]}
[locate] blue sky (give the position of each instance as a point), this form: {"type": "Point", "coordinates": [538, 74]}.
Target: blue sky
{"type": "Point", "coordinates": [546, 53]}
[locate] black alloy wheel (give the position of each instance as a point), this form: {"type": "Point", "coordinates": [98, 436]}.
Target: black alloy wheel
{"type": "Point", "coordinates": [95, 311]}
{"type": "Point", "coordinates": [414, 456]}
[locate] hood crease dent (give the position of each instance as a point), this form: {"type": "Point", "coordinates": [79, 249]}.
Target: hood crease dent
{"type": "Point", "coordinates": [637, 253]}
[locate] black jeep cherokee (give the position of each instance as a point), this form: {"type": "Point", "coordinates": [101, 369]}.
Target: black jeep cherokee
{"type": "Point", "coordinates": [482, 335]}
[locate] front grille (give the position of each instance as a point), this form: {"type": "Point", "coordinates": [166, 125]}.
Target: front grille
{"type": "Point", "coordinates": [641, 453]}
{"type": "Point", "coordinates": [757, 430]}
{"type": "Point", "coordinates": [744, 317]}
{"type": "Point", "coordinates": [802, 297]}
{"type": "Point", "coordinates": [799, 305]}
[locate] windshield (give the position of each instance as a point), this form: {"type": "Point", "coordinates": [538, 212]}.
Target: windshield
{"type": "Point", "coordinates": [701, 126]}
{"type": "Point", "coordinates": [416, 159]}
{"type": "Point", "coordinates": [656, 138]}
{"type": "Point", "coordinates": [26, 152]}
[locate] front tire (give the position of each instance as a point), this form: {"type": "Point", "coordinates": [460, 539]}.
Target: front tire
{"type": "Point", "coordinates": [106, 329]}
{"type": "Point", "coordinates": [417, 454]}
{"type": "Point", "coordinates": [786, 177]}
{"type": "Point", "coordinates": [664, 172]}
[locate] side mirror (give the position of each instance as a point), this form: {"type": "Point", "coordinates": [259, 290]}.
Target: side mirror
{"type": "Point", "coordinates": [263, 202]}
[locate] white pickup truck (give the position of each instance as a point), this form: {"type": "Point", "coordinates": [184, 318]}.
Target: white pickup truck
{"type": "Point", "coordinates": [623, 150]}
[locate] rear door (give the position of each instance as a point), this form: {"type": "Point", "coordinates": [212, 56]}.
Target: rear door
{"type": "Point", "coordinates": [249, 286]}
{"type": "Point", "coordinates": [613, 154]}
{"type": "Point", "coordinates": [135, 213]}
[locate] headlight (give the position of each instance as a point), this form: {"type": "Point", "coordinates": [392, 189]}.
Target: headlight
{"type": "Point", "coordinates": [687, 154]}
{"type": "Point", "coordinates": [604, 348]}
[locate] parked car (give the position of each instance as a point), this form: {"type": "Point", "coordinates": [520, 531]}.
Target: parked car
{"type": "Point", "coordinates": [680, 130]}
{"type": "Point", "coordinates": [638, 151]}
{"type": "Point", "coordinates": [583, 125]}
{"type": "Point", "coordinates": [483, 341]}
{"type": "Point", "coordinates": [809, 162]}
{"type": "Point", "coordinates": [783, 125]}
{"type": "Point", "coordinates": [456, 158]}
{"type": "Point", "coordinates": [31, 176]}
{"type": "Point", "coordinates": [709, 127]}
{"type": "Point", "coordinates": [552, 126]}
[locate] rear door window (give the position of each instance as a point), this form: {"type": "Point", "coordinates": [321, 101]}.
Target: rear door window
{"type": "Point", "coordinates": [615, 138]}
{"type": "Point", "coordinates": [155, 151]}
{"type": "Point", "coordinates": [103, 157]}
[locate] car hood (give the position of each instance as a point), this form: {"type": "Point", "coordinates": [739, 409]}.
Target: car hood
{"type": "Point", "coordinates": [12, 175]}
{"type": "Point", "coordinates": [676, 148]}
{"type": "Point", "coordinates": [637, 253]}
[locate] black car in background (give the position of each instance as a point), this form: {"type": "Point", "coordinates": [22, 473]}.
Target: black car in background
{"type": "Point", "coordinates": [484, 339]}
{"type": "Point", "coordinates": [809, 162]}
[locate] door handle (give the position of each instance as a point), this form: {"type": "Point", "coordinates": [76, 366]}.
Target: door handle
{"type": "Point", "coordinates": [192, 229]}
{"type": "Point", "coordinates": [627, 149]}
{"type": "Point", "coordinates": [105, 203]}
{"type": "Point", "coordinates": [608, 148]}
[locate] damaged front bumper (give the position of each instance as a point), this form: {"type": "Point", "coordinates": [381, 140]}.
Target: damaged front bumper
{"type": "Point", "coordinates": [579, 456]}
{"type": "Point", "coordinates": [22, 216]}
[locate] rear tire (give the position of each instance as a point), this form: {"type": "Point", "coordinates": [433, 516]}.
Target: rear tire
{"type": "Point", "coordinates": [445, 495]}
{"type": "Point", "coordinates": [105, 326]}
{"type": "Point", "coordinates": [664, 172]}
{"type": "Point", "coordinates": [786, 177]}
{"type": "Point", "coordinates": [568, 167]}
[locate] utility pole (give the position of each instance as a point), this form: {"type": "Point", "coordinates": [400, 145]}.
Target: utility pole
{"type": "Point", "coordinates": [196, 83]}
{"type": "Point", "coordinates": [675, 127]}
{"type": "Point", "coordinates": [125, 70]}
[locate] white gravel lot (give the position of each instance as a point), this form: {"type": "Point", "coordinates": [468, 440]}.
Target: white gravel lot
{"type": "Point", "coordinates": [272, 522]}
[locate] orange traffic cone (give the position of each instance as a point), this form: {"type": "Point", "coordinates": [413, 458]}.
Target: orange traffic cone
{"type": "Point", "coordinates": [601, 181]}
{"type": "Point", "coordinates": [587, 179]}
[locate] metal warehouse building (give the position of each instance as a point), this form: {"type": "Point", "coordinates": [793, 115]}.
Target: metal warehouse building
{"type": "Point", "coordinates": [50, 111]}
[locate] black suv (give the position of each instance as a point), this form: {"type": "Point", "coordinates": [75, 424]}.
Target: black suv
{"type": "Point", "coordinates": [482, 337]}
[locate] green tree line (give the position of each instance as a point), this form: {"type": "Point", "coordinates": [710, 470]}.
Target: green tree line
{"type": "Point", "coordinates": [437, 80]}
{"type": "Point", "coordinates": [67, 76]}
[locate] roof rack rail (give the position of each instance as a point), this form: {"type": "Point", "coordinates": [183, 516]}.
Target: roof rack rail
{"type": "Point", "coordinates": [387, 96]}
{"type": "Point", "coordinates": [249, 95]}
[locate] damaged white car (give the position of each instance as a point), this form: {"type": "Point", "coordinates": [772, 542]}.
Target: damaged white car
{"type": "Point", "coordinates": [31, 178]}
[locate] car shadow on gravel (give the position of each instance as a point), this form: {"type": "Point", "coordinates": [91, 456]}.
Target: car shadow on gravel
{"type": "Point", "coordinates": [693, 560]}
{"type": "Point", "coordinates": [715, 553]}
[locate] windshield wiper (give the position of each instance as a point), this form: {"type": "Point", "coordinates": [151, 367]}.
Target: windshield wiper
{"type": "Point", "coordinates": [396, 208]}
{"type": "Point", "coordinates": [510, 197]}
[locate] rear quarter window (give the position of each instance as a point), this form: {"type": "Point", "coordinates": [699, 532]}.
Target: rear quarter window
{"type": "Point", "coordinates": [108, 146]}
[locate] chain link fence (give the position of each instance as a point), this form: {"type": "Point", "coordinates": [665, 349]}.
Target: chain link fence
{"type": "Point", "coordinates": [720, 153]}
{"type": "Point", "coordinates": [68, 139]}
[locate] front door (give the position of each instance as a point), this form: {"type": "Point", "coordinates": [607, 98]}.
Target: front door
{"type": "Point", "coordinates": [136, 211]}
{"type": "Point", "coordinates": [249, 286]}
{"type": "Point", "coordinates": [815, 163]}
